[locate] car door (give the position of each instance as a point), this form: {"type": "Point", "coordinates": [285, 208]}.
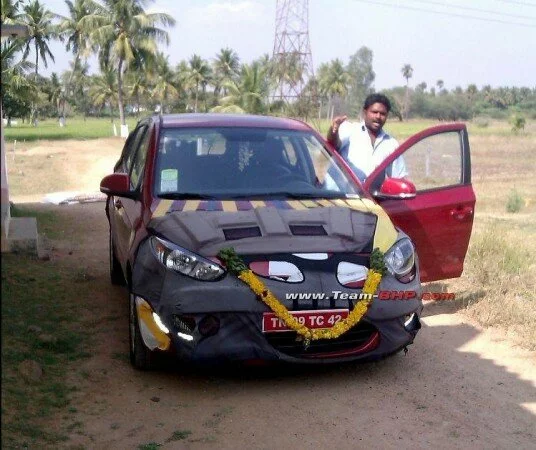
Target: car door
{"type": "Point", "coordinates": [123, 210]}
{"type": "Point", "coordinates": [439, 218]}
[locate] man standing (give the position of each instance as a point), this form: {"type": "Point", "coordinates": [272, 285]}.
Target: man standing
{"type": "Point", "coordinates": [365, 145]}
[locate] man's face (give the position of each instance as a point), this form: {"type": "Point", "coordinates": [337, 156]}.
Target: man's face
{"type": "Point", "coordinates": [375, 117]}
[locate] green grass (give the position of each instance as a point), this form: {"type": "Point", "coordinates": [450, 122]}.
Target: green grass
{"type": "Point", "coordinates": [37, 293]}
{"type": "Point", "coordinates": [403, 130]}
{"type": "Point", "coordinates": [76, 128]}
{"type": "Point", "coordinates": [149, 446]}
{"type": "Point", "coordinates": [179, 435]}
{"type": "Point", "coordinates": [92, 128]}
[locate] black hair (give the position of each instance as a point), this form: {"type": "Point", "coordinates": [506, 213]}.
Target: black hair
{"type": "Point", "coordinates": [377, 98]}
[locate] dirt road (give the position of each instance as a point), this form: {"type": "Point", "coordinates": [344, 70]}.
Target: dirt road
{"type": "Point", "coordinates": [458, 387]}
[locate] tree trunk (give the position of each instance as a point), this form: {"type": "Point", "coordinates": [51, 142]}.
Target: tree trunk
{"type": "Point", "coordinates": [196, 92]}
{"type": "Point", "coordinates": [120, 92]}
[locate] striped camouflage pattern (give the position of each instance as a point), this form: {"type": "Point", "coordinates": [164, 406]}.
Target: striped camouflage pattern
{"type": "Point", "coordinates": [384, 237]}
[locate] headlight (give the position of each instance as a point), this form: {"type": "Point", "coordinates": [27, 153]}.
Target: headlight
{"type": "Point", "coordinates": [400, 258]}
{"type": "Point", "coordinates": [183, 261]}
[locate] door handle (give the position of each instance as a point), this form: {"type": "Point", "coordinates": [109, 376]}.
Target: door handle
{"type": "Point", "coordinates": [461, 213]}
{"type": "Point", "coordinates": [118, 204]}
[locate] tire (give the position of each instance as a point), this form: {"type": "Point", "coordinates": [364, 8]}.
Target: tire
{"type": "Point", "coordinates": [116, 273]}
{"type": "Point", "coordinates": [141, 357]}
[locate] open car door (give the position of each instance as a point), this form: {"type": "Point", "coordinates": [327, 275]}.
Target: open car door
{"type": "Point", "coordinates": [436, 206]}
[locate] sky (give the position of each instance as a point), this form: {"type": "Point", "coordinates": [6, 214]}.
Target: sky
{"type": "Point", "coordinates": [447, 42]}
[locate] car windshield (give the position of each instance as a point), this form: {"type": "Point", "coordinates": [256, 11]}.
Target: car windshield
{"type": "Point", "coordinates": [238, 162]}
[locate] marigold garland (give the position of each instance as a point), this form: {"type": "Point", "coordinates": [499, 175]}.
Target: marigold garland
{"type": "Point", "coordinates": [377, 269]}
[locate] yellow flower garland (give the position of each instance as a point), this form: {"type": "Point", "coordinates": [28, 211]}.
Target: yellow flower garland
{"type": "Point", "coordinates": [372, 282]}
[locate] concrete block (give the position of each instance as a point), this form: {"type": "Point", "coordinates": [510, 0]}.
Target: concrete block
{"type": "Point", "coordinates": [22, 235]}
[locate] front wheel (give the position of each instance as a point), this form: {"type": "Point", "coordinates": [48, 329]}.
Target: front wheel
{"type": "Point", "coordinates": [141, 357]}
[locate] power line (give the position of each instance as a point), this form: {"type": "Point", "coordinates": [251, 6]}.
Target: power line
{"type": "Point", "coordinates": [442, 13]}
{"type": "Point", "coordinates": [468, 8]}
{"type": "Point", "coordinates": [518, 3]}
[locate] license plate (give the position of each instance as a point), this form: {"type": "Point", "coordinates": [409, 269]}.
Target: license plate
{"type": "Point", "coordinates": [323, 318]}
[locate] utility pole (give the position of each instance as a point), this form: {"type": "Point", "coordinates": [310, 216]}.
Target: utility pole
{"type": "Point", "coordinates": [292, 55]}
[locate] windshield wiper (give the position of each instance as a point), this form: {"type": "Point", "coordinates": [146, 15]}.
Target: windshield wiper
{"type": "Point", "coordinates": [186, 196]}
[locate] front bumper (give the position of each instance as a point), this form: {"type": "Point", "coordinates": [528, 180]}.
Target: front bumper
{"type": "Point", "coordinates": [217, 322]}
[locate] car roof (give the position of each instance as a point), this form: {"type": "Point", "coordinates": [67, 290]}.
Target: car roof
{"type": "Point", "coordinates": [231, 120]}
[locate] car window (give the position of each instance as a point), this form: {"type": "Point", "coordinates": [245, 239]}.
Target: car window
{"type": "Point", "coordinates": [138, 163]}
{"type": "Point", "coordinates": [433, 162]}
{"type": "Point", "coordinates": [240, 162]}
{"type": "Point", "coordinates": [129, 150]}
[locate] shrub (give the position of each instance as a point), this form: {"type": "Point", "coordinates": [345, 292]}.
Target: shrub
{"type": "Point", "coordinates": [515, 202]}
{"type": "Point", "coordinates": [518, 122]}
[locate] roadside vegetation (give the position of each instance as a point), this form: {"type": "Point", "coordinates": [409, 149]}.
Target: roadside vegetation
{"type": "Point", "coordinates": [135, 77]}
{"type": "Point", "coordinates": [42, 337]}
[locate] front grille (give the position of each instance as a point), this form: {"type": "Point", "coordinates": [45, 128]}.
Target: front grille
{"type": "Point", "coordinates": [285, 342]}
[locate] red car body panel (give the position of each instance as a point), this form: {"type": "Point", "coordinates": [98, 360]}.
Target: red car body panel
{"type": "Point", "coordinates": [439, 221]}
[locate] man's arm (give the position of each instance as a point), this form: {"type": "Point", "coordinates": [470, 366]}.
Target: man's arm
{"type": "Point", "coordinates": [333, 132]}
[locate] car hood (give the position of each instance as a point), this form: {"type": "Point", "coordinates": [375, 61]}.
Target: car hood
{"type": "Point", "coordinates": [285, 227]}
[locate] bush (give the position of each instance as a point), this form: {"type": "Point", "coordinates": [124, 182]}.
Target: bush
{"type": "Point", "coordinates": [515, 202]}
{"type": "Point", "coordinates": [518, 122]}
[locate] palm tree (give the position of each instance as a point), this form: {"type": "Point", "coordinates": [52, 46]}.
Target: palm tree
{"type": "Point", "coordinates": [226, 67]}
{"type": "Point", "coordinates": [56, 92]}
{"type": "Point", "coordinates": [137, 82]}
{"type": "Point", "coordinates": [104, 89]}
{"type": "Point", "coordinates": [123, 30]}
{"type": "Point", "coordinates": [77, 36]}
{"type": "Point", "coordinates": [164, 81]}
{"type": "Point", "coordinates": [10, 11]}
{"type": "Point", "coordinates": [15, 86]}
{"type": "Point", "coordinates": [75, 81]}
{"type": "Point", "coordinates": [288, 70]}
{"type": "Point", "coordinates": [333, 80]}
{"type": "Point", "coordinates": [199, 73]}
{"type": "Point", "coordinates": [407, 73]}
{"type": "Point", "coordinates": [38, 19]}
{"type": "Point", "coordinates": [248, 94]}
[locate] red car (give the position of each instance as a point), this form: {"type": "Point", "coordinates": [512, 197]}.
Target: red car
{"type": "Point", "coordinates": [286, 206]}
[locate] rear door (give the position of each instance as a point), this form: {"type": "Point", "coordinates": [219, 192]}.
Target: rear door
{"type": "Point", "coordinates": [440, 217]}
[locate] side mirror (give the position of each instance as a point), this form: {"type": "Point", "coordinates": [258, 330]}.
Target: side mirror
{"type": "Point", "coordinates": [396, 189]}
{"type": "Point", "coordinates": [117, 184]}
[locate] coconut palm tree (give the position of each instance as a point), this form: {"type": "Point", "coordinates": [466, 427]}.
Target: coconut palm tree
{"type": "Point", "coordinates": [247, 95]}
{"type": "Point", "coordinates": [199, 74]}
{"type": "Point", "coordinates": [10, 11]}
{"type": "Point", "coordinates": [56, 92]}
{"type": "Point", "coordinates": [104, 89]}
{"type": "Point", "coordinates": [226, 67]}
{"type": "Point", "coordinates": [39, 21]}
{"type": "Point", "coordinates": [124, 31]}
{"type": "Point", "coordinates": [164, 81]}
{"type": "Point", "coordinates": [16, 87]}
{"type": "Point", "coordinates": [76, 34]}
{"type": "Point", "coordinates": [333, 80]}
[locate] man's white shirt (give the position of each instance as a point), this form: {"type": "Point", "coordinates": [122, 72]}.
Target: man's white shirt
{"type": "Point", "coordinates": [358, 150]}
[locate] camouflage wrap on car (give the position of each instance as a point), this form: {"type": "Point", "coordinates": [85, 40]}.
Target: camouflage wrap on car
{"type": "Point", "coordinates": [350, 233]}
